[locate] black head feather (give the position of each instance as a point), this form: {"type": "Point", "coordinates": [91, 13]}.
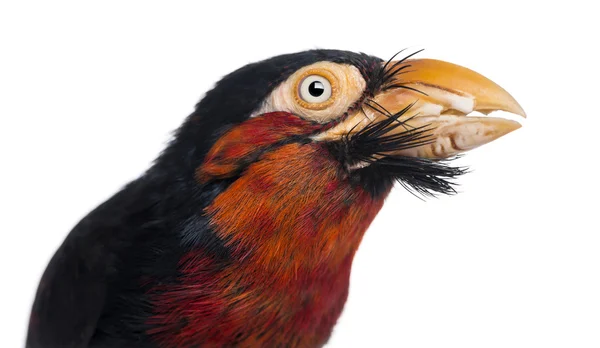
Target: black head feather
{"type": "Point", "coordinates": [237, 95]}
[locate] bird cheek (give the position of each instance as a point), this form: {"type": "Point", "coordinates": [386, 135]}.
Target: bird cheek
{"type": "Point", "coordinates": [245, 142]}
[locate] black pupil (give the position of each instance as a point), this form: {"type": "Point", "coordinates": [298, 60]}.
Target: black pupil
{"type": "Point", "coordinates": [316, 88]}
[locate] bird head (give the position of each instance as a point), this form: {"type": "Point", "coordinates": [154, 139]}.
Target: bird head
{"type": "Point", "coordinates": [294, 155]}
{"type": "Point", "coordinates": [397, 120]}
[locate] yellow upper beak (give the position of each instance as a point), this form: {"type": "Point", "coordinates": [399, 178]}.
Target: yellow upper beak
{"type": "Point", "coordinates": [442, 94]}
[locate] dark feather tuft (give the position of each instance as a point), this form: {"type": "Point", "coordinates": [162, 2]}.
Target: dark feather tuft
{"type": "Point", "coordinates": [373, 144]}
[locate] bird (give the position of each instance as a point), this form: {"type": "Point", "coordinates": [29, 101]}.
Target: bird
{"type": "Point", "coordinates": [243, 231]}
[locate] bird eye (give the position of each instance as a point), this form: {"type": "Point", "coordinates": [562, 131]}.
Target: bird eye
{"type": "Point", "coordinates": [315, 89]}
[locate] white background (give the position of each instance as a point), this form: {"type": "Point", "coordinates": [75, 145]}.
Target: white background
{"type": "Point", "coordinates": [89, 93]}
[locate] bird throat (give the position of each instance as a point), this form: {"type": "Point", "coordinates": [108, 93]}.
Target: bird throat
{"type": "Point", "coordinates": [293, 207]}
{"type": "Point", "coordinates": [293, 212]}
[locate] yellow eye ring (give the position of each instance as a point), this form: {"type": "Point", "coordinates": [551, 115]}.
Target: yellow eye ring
{"type": "Point", "coordinates": [316, 89]}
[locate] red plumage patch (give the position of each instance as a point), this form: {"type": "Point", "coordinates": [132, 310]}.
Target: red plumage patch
{"type": "Point", "coordinates": [233, 150]}
{"type": "Point", "coordinates": [293, 223]}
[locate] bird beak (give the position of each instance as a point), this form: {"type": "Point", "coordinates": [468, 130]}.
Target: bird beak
{"type": "Point", "coordinates": [442, 95]}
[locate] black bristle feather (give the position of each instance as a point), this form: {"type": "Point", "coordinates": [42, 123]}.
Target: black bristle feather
{"type": "Point", "coordinates": [389, 74]}
{"type": "Point", "coordinates": [374, 144]}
